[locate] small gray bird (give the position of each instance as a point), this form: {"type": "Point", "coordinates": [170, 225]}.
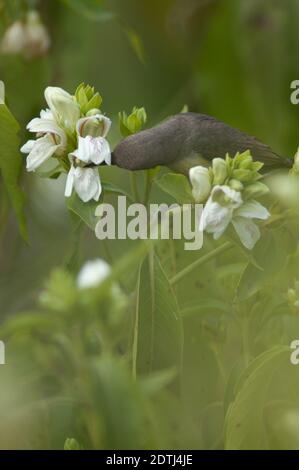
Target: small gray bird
{"type": "Point", "coordinates": [189, 139]}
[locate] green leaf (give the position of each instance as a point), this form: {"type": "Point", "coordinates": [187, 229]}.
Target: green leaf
{"type": "Point", "coordinates": [91, 9]}
{"type": "Point", "coordinates": [11, 164]}
{"type": "Point", "coordinates": [27, 322]}
{"type": "Point", "coordinates": [160, 334]}
{"type": "Point", "coordinates": [111, 188]}
{"type": "Point", "coordinates": [269, 375]}
{"type": "Point", "coordinates": [115, 394]}
{"type": "Point", "coordinates": [136, 44]}
{"type": "Point", "coordinates": [269, 257]}
{"type": "Point", "coordinates": [177, 186]}
{"type": "Point", "coordinates": [84, 210]}
{"type": "Point", "coordinates": [200, 376]}
{"type": "Point", "coordinates": [206, 304]}
{"type": "Point", "coordinates": [60, 291]}
{"type": "Point", "coordinates": [155, 382]}
{"type": "Point", "coordinates": [282, 425]}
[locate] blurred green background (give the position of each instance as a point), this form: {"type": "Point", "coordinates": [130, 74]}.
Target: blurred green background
{"type": "Point", "coordinates": [234, 60]}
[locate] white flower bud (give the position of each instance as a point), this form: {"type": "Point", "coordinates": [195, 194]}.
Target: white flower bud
{"type": "Point", "coordinates": [201, 183]}
{"type": "Point", "coordinates": [29, 37]}
{"type": "Point", "coordinates": [93, 273]}
{"type": "Point", "coordinates": [63, 106]}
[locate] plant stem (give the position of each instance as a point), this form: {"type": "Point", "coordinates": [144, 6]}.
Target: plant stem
{"type": "Point", "coordinates": [245, 340]}
{"type": "Point", "coordinates": [134, 186]}
{"type": "Point", "coordinates": [136, 324]}
{"type": "Point", "coordinates": [200, 261]}
{"type": "Point", "coordinates": [148, 185]}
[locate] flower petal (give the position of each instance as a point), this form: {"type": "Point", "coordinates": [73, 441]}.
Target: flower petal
{"type": "Point", "coordinates": [226, 197]}
{"type": "Point", "coordinates": [26, 148]}
{"type": "Point", "coordinates": [69, 182]}
{"type": "Point", "coordinates": [40, 152]}
{"type": "Point", "coordinates": [93, 150]}
{"type": "Point", "coordinates": [248, 231]}
{"type": "Point", "coordinates": [63, 106]}
{"type": "Point", "coordinates": [87, 183]}
{"type": "Point", "coordinates": [252, 210]}
{"type": "Point", "coordinates": [46, 114]}
{"type": "Point", "coordinates": [44, 126]}
{"type": "Point", "coordinates": [95, 126]}
{"type": "Point", "coordinates": [215, 218]}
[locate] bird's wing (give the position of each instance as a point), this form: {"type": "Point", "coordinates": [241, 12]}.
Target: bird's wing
{"type": "Point", "coordinates": [213, 138]}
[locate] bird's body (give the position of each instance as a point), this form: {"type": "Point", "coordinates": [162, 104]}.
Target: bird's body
{"type": "Point", "coordinates": [190, 139]}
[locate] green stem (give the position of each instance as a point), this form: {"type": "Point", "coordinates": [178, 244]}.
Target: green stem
{"type": "Point", "coordinates": [136, 324]}
{"type": "Point", "coordinates": [148, 185]}
{"type": "Point", "coordinates": [200, 261]}
{"type": "Point", "coordinates": [71, 261]}
{"type": "Point", "coordinates": [245, 340]}
{"type": "Point", "coordinates": [134, 186]}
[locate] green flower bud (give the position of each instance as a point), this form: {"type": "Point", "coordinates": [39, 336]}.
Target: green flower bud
{"type": "Point", "coordinates": [236, 185]}
{"type": "Point", "coordinates": [245, 176]}
{"type": "Point", "coordinates": [87, 99]}
{"type": "Point", "coordinates": [130, 124]}
{"type": "Point", "coordinates": [219, 171]}
{"type": "Point", "coordinates": [71, 444]}
{"type": "Point", "coordinates": [255, 190]}
{"type": "Point", "coordinates": [256, 166]}
{"type": "Point", "coordinates": [246, 163]}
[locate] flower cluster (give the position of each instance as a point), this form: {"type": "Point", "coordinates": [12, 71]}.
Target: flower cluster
{"type": "Point", "coordinates": [73, 130]}
{"type": "Point", "coordinates": [28, 37]}
{"type": "Point", "coordinates": [229, 189]}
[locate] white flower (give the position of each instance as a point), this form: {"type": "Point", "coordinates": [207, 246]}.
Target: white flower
{"type": "Point", "coordinates": [37, 37]}
{"type": "Point", "coordinates": [14, 39]}
{"type": "Point", "coordinates": [58, 129]}
{"type": "Point", "coordinates": [65, 109]}
{"type": "Point", "coordinates": [95, 126]}
{"type": "Point", "coordinates": [93, 273]}
{"type": "Point", "coordinates": [47, 114]}
{"type": "Point", "coordinates": [93, 150]}
{"type": "Point", "coordinates": [29, 37]}
{"type": "Point", "coordinates": [51, 140]}
{"type": "Point", "coordinates": [85, 181]}
{"type": "Point", "coordinates": [201, 183]}
{"type": "Point", "coordinates": [225, 206]}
